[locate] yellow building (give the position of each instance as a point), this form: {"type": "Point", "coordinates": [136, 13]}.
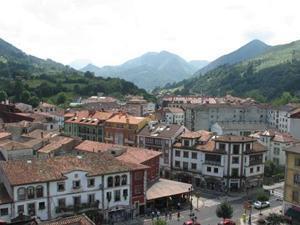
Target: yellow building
{"type": "Point", "coordinates": [291, 204]}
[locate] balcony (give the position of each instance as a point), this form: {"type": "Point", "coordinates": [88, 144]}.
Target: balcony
{"type": "Point", "coordinates": [212, 163]}
{"type": "Point", "coordinates": [109, 138]}
{"type": "Point", "coordinates": [128, 141]}
{"type": "Point", "coordinates": [256, 162]}
{"type": "Point", "coordinates": [77, 208]}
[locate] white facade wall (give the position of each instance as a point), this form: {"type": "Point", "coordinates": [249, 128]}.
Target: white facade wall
{"type": "Point", "coordinates": [295, 127]}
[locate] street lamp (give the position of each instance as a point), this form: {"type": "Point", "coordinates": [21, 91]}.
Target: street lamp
{"type": "Point", "coordinates": [250, 214]}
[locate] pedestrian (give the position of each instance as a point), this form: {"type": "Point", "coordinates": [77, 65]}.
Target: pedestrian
{"type": "Point", "coordinates": [178, 205]}
{"type": "Point", "coordinates": [152, 215]}
{"type": "Point", "coordinates": [166, 215]}
{"type": "Point", "coordinates": [170, 215]}
{"type": "Point", "coordinates": [178, 216]}
{"type": "Point", "coordinates": [158, 214]}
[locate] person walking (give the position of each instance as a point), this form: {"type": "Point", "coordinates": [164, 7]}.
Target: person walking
{"type": "Point", "coordinates": [158, 214]}
{"type": "Point", "coordinates": [178, 216]}
{"type": "Point", "coordinates": [170, 215]}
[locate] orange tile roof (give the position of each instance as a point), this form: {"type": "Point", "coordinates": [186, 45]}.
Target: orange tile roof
{"type": "Point", "coordinates": [21, 172]}
{"type": "Point", "coordinates": [131, 155]}
{"type": "Point", "coordinates": [125, 119]}
{"type": "Point", "coordinates": [4, 134]}
{"type": "Point", "coordinates": [86, 117]}
{"type": "Point", "coordinates": [202, 135]}
{"type": "Point", "coordinates": [53, 146]}
{"type": "Point", "coordinates": [234, 138]}
{"type": "Point", "coordinates": [72, 220]}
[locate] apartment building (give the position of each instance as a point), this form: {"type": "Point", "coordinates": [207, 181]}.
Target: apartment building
{"type": "Point", "coordinates": [66, 185]}
{"type": "Point", "coordinates": [202, 117]}
{"type": "Point", "coordinates": [276, 143]}
{"type": "Point", "coordinates": [88, 125]}
{"type": "Point", "coordinates": [122, 129]}
{"type": "Point", "coordinates": [224, 163]}
{"type": "Point", "coordinates": [172, 115]}
{"type": "Point", "coordinates": [291, 199]}
{"type": "Point", "coordinates": [160, 137]}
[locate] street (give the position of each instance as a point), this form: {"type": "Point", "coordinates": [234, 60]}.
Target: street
{"type": "Point", "coordinates": [206, 214]}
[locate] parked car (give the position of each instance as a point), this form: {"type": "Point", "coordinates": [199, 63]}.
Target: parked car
{"type": "Point", "coordinates": [226, 222]}
{"type": "Point", "coordinates": [261, 205]}
{"type": "Point", "coordinates": [191, 222]}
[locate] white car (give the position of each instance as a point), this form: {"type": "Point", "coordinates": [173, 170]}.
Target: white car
{"type": "Point", "coordinates": [261, 205]}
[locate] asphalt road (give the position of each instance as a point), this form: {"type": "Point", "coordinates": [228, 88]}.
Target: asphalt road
{"type": "Point", "coordinates": [207, 215]}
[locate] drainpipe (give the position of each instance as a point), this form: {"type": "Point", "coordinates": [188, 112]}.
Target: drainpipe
{"type": "Point", "coordinates": [48, 201]}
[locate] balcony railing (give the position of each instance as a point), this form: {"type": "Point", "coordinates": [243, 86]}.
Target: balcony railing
{"type": "Point", "coordinates": [77, 208]}
{"type": "Point", "coordinates": [256, 162]}
{"type": "Point", "coordinates": [109, 138]}
{"type": "Point", "coordinates": [129, 141]}
{"type": "Point", "coordinates": [213, 163]}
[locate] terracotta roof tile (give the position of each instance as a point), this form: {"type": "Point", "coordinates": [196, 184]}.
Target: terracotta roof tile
{"type": "Point", "coordinates": [161, 130]}
{"type": "Point", "coordinates": [4, 135]}
{"type": "Point", "coordinates": [125, 118]}
{"type": "Point", "coordinates": [72, 220]}
{"type": "Point", "coordinates": [55, 145]}
{"type": "Point", "coordinates": [20, 172]}
{"type": "Point", "coordinates": [234, 138]}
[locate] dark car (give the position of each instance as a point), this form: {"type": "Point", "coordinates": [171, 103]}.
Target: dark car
{"type": "Point", "coordinates": [227, 222]}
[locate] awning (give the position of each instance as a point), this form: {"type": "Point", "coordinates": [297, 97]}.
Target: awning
{"type": "Point", "coordinates": [293, 213]}
{"type": "Point", "coordinates": [166, 188]}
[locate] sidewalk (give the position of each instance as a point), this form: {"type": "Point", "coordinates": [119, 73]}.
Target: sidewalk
{"type": "Point", "coordinates": [256, 216]}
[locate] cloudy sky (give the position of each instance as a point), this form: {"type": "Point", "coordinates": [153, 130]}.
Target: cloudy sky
{"type": "Point", "coordinates": [113, 31]}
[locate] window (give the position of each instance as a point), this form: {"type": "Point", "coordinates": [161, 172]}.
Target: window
{"type": "Point", "coordinates": [4, 212]}
{"type": "Point", "coordinates": [125, 194]}
{"type": "Point", "coordinates": [297, 162]}
{"type": "Point", "coordinates": [76, 184]}
{"type": "Point", "coordinates": [110, 182]}
{"type": "Point", "coordinates": [297, 179]}
{"type": "Point", "coordinates": [236, 149]}
{"type": "Point", "coordinates": [185, 154]}
{"type": "Point", "coordinates": [77, 200]}
{"type": "Point", "coordinates": [185, 165]}
{"type": "Point", "coordinates": [186, 143]}
{"type": "Point", "coordinates": [108, 196]}
{"type": "Point", "coordinates": [138, 175]}
{"type": "Point", "coordinates": [177, 153]}
{"type": "Point", "coordinates": [91, 198]}
{"type": "Point", "coordinates": [216, 170]}
{"type": "Point", "coordinates": [30, 192]}
{"type": "Point", "coordinates": [117, 181]}
{"type": "Point", "coordinates": [235, 160]}
{"type": "Point", "coordinates": [21, 194]}
{"type": "Point", "coordinates": [208, 169]}
{"type": "Point", "coordinates": [222, 146]}
{"type": "Point", "coordinates": [61, 186]}
{"type": "Point", "coordinates": [194, 155]}
{"type": "Point", "coordinates": [31, 209]}
{"type": "Point", "coordinates": [251, 170]}
{"type": "Point", "coordinates": [194, 166]}
{"type": "Point", "coordinates": [248, 147]}
{"type": "Point", "coordinates": [124, 180]}
{"type": "Point", "coordinates": [276, 151]}
{"type": "Point", "coordinates": [235, 172]}
{"type": "Point", "coordinates": [39, 191]}
{"type": "Point", "coordinates": [258, 168]}
{"type": "Point", "coordinates": [177, 163]}
{"type": "Point", "coordinates": [91, 182]}
{"type": "Point", "coordinates": [295, 196]}
{"type": "Point", "coordinates": [138, 189]}
{"type": "Point", "coordinates": [62, 203]}
{"type": "Point", "coordinates": [42, 205]}
{"type": "Point", "coordinates": [20, 209]}
{"type": "Point", "coordinates": [117, 195]}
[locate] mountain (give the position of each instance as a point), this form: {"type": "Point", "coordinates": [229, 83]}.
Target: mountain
{"type": "Point", "coordinates": [79, 63]}
{"type": "Point", "coordinates": [30, 79]}
{"type": "Point", "coordinates": [198, 64]}
{"type": "Point", "coordinates": [264, 77]}
{"type": "Point", "coordinates": [149, 70]}
{"type": "Point", "coordinates": [248, 51]}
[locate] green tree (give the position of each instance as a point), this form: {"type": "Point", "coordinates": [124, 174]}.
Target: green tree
{"type": "Point", "coordinates": [197, 195]}
{"type": "Point", "coordinates": [25, 96]}
{"type": "Point", "coordinates": [61, 98]}
{"type": "Point", "coordinates": [224, 210]}
{"type": "Point", "coordinates": [3, 96]}
{"type": "Point", "coordinates": [262, 197]}
{"type": "Point", "coordinates": [34, 101]}
{"type": "Point", "coordinates": [159, 222]}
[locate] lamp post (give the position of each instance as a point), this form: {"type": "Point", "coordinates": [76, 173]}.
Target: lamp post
{"type": "Point", "coordinates": [191, 200]}
{"type": "Point", "coordinates": [250, 214]}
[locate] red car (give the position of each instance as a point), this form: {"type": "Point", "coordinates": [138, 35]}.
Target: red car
{"type": "Point", "coordinates": [190, 222]}
{"type": "Point", "coordinates": [227, 222]}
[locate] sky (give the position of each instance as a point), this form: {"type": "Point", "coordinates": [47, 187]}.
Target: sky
{"type": "Point", "coordinates": [109, 32]}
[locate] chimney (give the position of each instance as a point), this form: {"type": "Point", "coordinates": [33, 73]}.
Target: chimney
{"type": "Point", "coordinates": [42, 134]}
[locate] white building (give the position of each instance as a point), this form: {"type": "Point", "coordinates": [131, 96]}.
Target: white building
{"type": "Point", "coordinates": [220, 163]}
{"type": "Point", "coordinates": [173, 115]}
{"type": "Point", "coordinates": [65, 185]}
{"type": "Point", "coordinates": [276, 143]}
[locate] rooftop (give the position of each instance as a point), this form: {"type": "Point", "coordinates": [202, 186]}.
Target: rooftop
{"type": "Point", "coordinates": [277, 136]}
{"type": "Point", "coordinates": [90, 117]}
{"type": "Point", "coordinates": [161, 130]}
{"type": "Point", "coordinates": [72, 220]}
{"type": "Point", "coordinates": [129, 154]}
{"type": "Point", "coordinates": [234, 138]}
{"type": "Point", "coordinates": [242, 126]}
{"type": "Point", "coordinates": [21, 172]}
{"type": "Point", "coordinates": [55, 145]}
{"type": "Point", "coordinates": [201, 135]}
{"type": "Point", "coordinates": [4, 135]}
{"type": "Point", "coordinates": [125, 119]}
{"type": "Point", "coordinates": [294, 149]}
{"type": "Point", "coordinates": [4, 196]}
{"type": "Point", "coordinates": [173, 110]}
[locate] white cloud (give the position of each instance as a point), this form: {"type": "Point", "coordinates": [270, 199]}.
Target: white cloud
{"type": "Point", "coordinates": [112, 31]}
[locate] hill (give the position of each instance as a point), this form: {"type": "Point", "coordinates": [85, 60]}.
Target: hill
{"type": "Point", "coordinates": [30, 79]}
{"type": "Point", "coordinates": [265, 77]}
{"type": "Point", "coordinates": [149, 70]}
{"type": "Point", "coordinates": [248, 51]}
